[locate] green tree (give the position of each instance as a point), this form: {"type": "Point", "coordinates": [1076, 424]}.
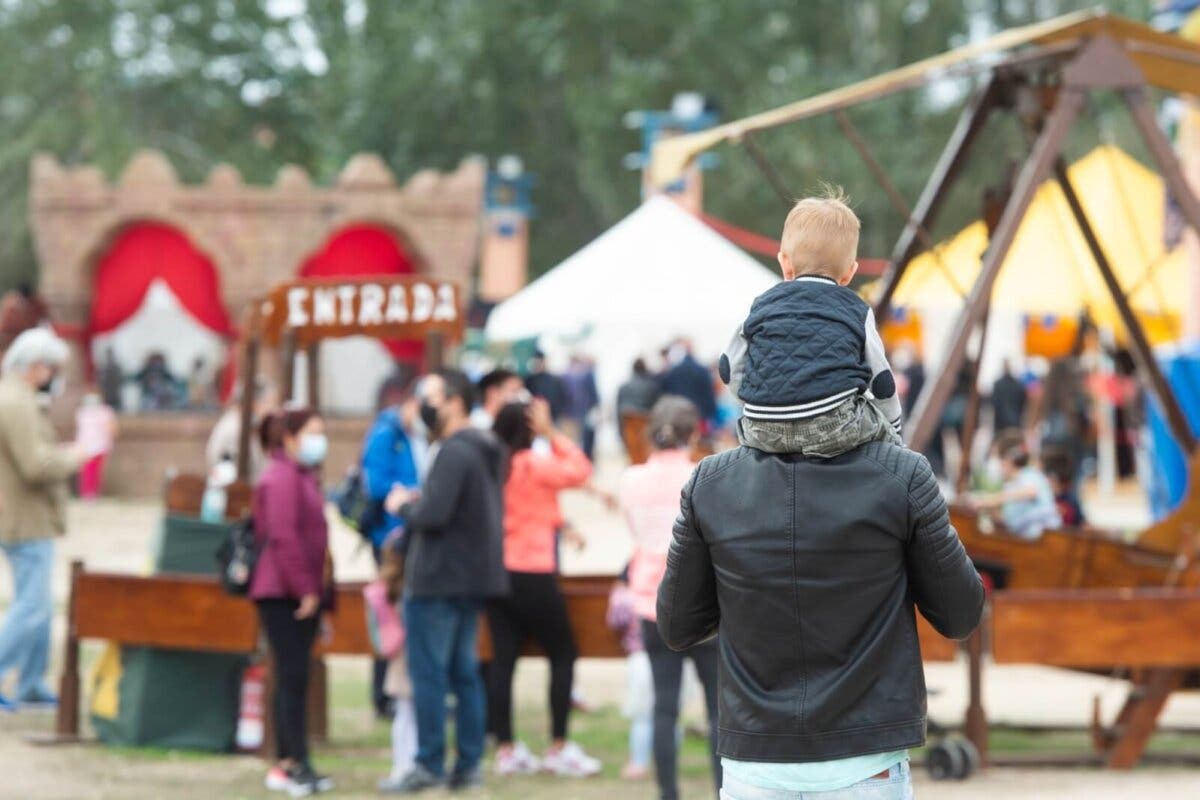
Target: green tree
{"type": "Point", "coordinates": [261, 83]}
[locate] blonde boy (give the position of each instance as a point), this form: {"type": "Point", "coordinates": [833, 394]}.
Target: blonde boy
{"type": "Point", "coordinates": [808, 363]}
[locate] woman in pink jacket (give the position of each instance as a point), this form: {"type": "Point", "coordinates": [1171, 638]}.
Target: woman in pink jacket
{"type": "Point", "coordinates": [289, 581]}
{"type": "Point", "coordinates": [535, 608]}
{"type": "Point", "coordinates": [649, 499]}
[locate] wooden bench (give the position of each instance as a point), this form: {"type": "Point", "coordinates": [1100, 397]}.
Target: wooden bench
{"type": "Point", "coordinates": [1153, 633]}
{"type": "Point", "coordinates": [188, 612]}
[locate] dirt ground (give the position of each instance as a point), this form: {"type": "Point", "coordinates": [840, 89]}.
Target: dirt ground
{"type": "Point", "coordinates": [119, 536]}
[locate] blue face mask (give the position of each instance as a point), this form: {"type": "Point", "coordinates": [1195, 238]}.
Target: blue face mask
{"type": "Point", "coordinates": [313, 449]}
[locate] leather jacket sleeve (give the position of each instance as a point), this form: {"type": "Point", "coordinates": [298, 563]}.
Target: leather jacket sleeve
{"type": "Point", "coordinates": [944, 583]}
{"type": "Point", "coordinates": [688, 612]}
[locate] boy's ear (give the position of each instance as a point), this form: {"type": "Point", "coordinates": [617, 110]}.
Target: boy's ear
{"type": "Point", "coordinates": [785, 266]}
{"type": "Point", "coordinates": [849, 276]}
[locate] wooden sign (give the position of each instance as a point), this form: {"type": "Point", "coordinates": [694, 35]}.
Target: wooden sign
{"type": "Point", "coordinates": [382, 307]}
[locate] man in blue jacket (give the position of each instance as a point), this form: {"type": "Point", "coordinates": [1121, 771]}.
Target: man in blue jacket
{"type": "Point", "coordinates": [391, 457]}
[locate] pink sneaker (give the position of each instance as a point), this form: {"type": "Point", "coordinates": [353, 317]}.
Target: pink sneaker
{"type": "Point", "coordinates": [570, 762]}
{"type": "Point", "coordinates": [277, 780]}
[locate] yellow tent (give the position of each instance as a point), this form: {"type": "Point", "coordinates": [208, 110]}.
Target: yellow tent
{"type": "Point", "coordinates": [1049, 270]}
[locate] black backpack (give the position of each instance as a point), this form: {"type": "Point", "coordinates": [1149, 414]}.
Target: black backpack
{"type": "Point", "coordinates": [355, 506]}
{"type": "Point", "coordinates": [237, 558]}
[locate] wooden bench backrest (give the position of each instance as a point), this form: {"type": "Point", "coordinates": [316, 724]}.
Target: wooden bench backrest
{"type": "Point", "coordinates": [185, 492]}
{"type": "Point", "coordinates": [180, 611]}
{"type": "Point", "coordinates": [1097, 627]}
{"type": "Point", "coordinates": [192, 613]}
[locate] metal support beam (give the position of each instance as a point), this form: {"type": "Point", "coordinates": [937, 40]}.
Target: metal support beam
{"type": "Point", "coordinates": [970, 123]}
{"type": "Point", "coordinates": [1143, 353]}
{"type": "Point", "coordinates": [893, 194]}
{"type": "Point", "coordinates": [1046, 148]}
{"type": "Point", "coordinates": [1164, 155]}
{"type": "Point", "coordinates": [769, 172]}
{"type": "Point", "coordinates": [971, 417]}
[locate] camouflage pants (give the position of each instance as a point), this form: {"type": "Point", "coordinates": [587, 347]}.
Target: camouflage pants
{"type": "Point", "coordinates": [853, 423]}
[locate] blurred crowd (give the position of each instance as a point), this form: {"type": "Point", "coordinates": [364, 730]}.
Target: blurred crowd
{"type": "Point", "coordinates": [456, 493]}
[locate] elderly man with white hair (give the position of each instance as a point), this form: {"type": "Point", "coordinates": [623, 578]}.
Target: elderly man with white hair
{"type": "Point", "coordinates": [34, 474]}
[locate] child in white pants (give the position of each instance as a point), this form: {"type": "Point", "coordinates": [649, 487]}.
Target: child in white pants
{"type": "Point", "coordinates": [404, 723]}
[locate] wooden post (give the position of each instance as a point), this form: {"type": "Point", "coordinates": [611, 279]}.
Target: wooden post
{"type": "Point", "coordinates": [976, 726]}
{"type": "Point", "coordinates": [246, 412]}
{"type": "Point", "coordinates": [1143, 352]}
{"type": "Point", "coordinates": [1046, 148]}
{"type": "Point", "coordinates": [769, 172]}
{"type": "Point", "coordinates": [267, 749]}
{"type": "Point", "coordinates": [1164, 155]}
{"type": "Point", "coordinates": [970, 123]}
{"type": "Point", "coordinates": [893, 194]}
{"type": "Point", "coordinates": [435, 352]}
{"type": "Point", "coordinates": [318, 708]}
{"type": "Point", "coordinates": [66, 725]}
{"type": "Point", "coordinates": [287, 367]}
{"type": "Point", "coordinates": [313, 357]}
{"type": "Point", "coordinates": [1139, 718]}
{"type": "Point", "coordinates": [971, 415]}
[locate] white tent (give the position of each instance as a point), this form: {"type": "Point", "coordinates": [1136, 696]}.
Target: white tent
{"type": "Point", "coordinates": [658, 274]}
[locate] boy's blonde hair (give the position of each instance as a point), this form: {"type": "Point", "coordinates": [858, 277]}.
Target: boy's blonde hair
{"type": "Point", "coordinates": [820, 235]}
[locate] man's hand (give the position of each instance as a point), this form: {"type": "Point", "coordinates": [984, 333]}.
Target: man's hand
{"type": "Point", "coordinates": [398, 497]}
{"type": "Point", "coordinates": [310, 604]}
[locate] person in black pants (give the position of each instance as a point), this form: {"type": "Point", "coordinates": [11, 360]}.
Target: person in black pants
{"type": "Point", "coordinates": [535, 608]}
{"type": "Point", "coordinates": [289, 581]}
{"type": "Point", "coordinates": [666, 666]}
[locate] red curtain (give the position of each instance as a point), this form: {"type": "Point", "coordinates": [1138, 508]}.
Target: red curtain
{"type": "Point", "coordinates": [143, 253]}
{"type": "Point", "coordinates": [359, 250]}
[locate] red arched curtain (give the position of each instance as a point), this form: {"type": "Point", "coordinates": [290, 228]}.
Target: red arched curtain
{"type": "Point", "coordinates": [365, 249]}
{"type": "Point", "coordinates": [149, 251]}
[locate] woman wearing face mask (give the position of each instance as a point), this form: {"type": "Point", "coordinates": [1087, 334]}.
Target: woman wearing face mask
{"type": "Point", "coordinates": [289, 580]}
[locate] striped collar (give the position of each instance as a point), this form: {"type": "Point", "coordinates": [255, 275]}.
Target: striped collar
{"type": "Point", "coordinates": [815, 278]}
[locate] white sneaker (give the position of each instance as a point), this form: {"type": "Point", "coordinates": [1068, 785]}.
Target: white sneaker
{"type": "Point", "coordinates": [571, 762]}
{"type": "Point", "coordinates": [517, 761]}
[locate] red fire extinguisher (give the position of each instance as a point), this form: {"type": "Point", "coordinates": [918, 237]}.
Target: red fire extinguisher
{"type": "Point", "coordinates": [250, 716]}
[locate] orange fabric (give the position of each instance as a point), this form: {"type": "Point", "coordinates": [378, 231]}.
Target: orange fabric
{"type": "Point", "coordinates": [531, 513]}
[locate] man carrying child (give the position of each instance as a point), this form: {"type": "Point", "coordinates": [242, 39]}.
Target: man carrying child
{"type": "Point", "coordinates": [805, 550]}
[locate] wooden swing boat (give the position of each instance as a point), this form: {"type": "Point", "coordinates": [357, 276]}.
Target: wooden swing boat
{"type": "Point", "coordinates": [1086, 598]}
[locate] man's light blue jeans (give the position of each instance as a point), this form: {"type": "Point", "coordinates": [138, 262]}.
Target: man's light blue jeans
{"type": "Point", "coordinates": [25, 635]}
{"type": "Point", "coordinates": [896, 786]}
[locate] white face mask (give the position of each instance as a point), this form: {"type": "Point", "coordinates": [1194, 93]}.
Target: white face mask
{"type": "Point", "coordinates": [313, 449]}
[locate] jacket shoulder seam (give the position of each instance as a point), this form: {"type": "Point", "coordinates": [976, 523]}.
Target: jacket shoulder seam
{"type": "Point", "coordinates": [703, 475]}
{"type": "Point", "coordinates": [869, 454]}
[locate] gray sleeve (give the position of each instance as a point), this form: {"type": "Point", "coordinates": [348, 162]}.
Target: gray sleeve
{"type": "Point", "coordinates": [733, 361]}
{"type": "Point", "coordinates": [883, 382]}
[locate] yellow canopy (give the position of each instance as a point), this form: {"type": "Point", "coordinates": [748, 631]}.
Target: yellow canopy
{"type": "Point", "coordinates": [1049, 269]}
{"type": "Point", "coordinates": [1168, 62]}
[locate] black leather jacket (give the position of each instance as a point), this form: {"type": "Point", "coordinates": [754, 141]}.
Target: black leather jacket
{"type": "Point", "coordinates": [809, 570]}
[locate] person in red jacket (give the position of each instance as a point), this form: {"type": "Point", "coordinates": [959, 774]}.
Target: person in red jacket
{"type": "Point", "coordinates": [536, 607]}
{"type": "Point", "coordinates": [289, 581]}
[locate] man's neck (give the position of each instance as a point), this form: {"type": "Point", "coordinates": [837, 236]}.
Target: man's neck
{"type": "Point", "coordinates": [455, 426]}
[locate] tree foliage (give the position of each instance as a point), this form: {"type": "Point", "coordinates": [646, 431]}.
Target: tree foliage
{"type": "Point", "coordinates": [261, 83]}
